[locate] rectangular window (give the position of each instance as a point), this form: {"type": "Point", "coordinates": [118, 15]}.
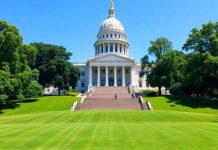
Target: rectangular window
{"type": "Point", "coordinates": [111, 48]}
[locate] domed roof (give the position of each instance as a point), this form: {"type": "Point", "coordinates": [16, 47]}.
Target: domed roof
{"type": "Point", "coordinates": [111, 23]}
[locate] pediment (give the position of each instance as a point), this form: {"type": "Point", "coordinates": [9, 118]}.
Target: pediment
{"type": "Point", "coordinates": [111, 58]}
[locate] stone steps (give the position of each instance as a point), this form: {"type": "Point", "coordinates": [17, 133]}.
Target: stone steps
{"type": "Point", "coordinates": [104, 98]}
{"type": "Point", "coordinates": [111, 95]}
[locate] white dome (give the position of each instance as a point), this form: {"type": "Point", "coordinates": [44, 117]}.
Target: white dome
{"type": "Point", "coordinates": [111, 24]}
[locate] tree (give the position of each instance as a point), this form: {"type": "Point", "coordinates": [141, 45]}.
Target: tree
{"type": "Point", "coordinates": [201, 75]}
{"type": "Point", "coordinates": [203, 40]}
{"type": "Point", "coordinates": [16, 76]}
{"type": "Point", "coordinates": [144, 64]}
{"type": "Point", "coordinates": [201, 72]}
{"type": "Point", "coordinates": [159, 47]}
{"type": "Point", "coordinates": [168, 70]}
{"type": "Point", "coordinates": [54, 68]}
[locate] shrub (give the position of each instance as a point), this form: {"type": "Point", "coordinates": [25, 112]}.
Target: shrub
{"type": "Point", "coordinates": [70, 93]}
{"type": "Point", "coordinates": [3, 98]}
{"type": "Point", "coordinates": [149, 93]}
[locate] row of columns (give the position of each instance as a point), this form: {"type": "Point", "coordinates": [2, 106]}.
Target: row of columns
{"type": "Point", "coordinates": [102, 47]}
{"type": "Point", "coordinates": [106, 76]}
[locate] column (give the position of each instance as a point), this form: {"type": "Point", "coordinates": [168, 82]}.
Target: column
{"type": "Point", "coordinates": [122, 49]}
{"type": "Point", "coordinates": [99, 80]}
{"type": "Point", "coordinates": [118, 48]}
{"type": "Point", "coordinates": [90, 76]}
{"type": "Point", "coordinates": [104, 47]}
{"type": "Point", "coordinates": [123, 80]}
{"type": "Point", "coordinates": [106, 77]}
{"type": "Point", "coordinates": [108, 47]}
{"type": "Point", "coordinates": [131, 78]}
{"type": "Point", "coordinates": [115, 75]}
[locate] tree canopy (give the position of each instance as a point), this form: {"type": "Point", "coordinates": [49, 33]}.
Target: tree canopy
{"type": "Point", "coordinates": [203, 40]}
{"type": "Point", "coordinates": [159, 47]}
{"type": "Point", "coordinates": [17, 79]}
{"type": "Point", "coordinates": [195, 73]}
{"type": "Point", "coordinates": [54, 67]}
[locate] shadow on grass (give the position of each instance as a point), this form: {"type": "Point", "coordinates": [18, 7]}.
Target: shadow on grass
{"type": "Point", "coordinates": [13, 104]}
{"type": "Point", "coordinates": [193, 102]}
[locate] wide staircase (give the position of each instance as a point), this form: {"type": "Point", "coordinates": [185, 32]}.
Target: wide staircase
{"type": "Point", "coordinates": [103, 98]}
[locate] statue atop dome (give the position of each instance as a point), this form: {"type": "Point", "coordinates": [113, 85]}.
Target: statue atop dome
{"type": "Point", "coordinates": [111, 10]}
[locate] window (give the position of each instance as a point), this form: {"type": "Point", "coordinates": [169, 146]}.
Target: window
{"type": "Point", "coordinates": [103, 71]}
{"type": "Point", "coordinates": [83, 84]}
{"type": "Point", "coordinates": [83, 73]}
{"type": "Point", "coordinates": [111, 35]}
{"type": "Point", "coordinates": [111, 71]}
{"type": "Point", "coordinates": [103, 36]}
{"type": "Point", "coordinates": [102, 48]}
{"type": "Point", "coordinates": [116, 48]}
{"type": "Point", "coordinates": [107, 48]}
{"type": "Point", "coordinates": [107, 35]}
{"type": "Point", "coordinates": [111, 48]}
{"type": "Point", "coordinates": [127, 71]}
{"type": "Point", "coordinates": [96, 71]}
{"type": "Point", "coordinates": [118, 71]}
{"type": "Point", "coordinates": [115, 35]}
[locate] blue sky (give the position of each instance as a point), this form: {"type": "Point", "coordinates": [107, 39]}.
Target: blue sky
{"type": "Point", "coordinates": [74, 23]}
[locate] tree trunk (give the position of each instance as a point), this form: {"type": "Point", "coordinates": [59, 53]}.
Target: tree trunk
{"type": "Point", "coordinates": [159, 90]}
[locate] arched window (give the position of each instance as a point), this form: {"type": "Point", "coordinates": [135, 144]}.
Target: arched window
{"type": "Point", "coordinates": [111, 35]}
{"type": "Point", "coordinates": [103, 36]}
{"type": "Point", "coordinates": [107, 35]}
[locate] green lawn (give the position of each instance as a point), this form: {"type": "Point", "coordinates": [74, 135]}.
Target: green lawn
{"type": "Point", "coordinates": [43, 104]}
{"type": "Point", "coordinates": [59, 129]}
{"type": "Point", "coordinates": [184, 104]}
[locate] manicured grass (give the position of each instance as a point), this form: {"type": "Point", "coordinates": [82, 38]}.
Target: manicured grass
{"type": "Point", "coordinates": [48, 124]}
{"type": "Point", "coordinates": [184, 104]}
{"type": "Point", "coordinates": [109, 130]}
{"type": "Point", "coordinates": [43, 104]}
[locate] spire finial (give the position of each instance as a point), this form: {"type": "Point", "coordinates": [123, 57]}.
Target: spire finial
{"type": "Point", "coordinates": [111, 10]}
{"type": "Point", "coordinates": [112, 4]}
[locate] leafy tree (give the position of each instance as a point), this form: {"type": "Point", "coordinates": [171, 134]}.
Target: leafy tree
{"type": "Point", "coordinates": [16, 77]}
{"type": "Point", "coordinates": [203, 40]}
{"type": "Point", "coordinates": [54, 68]}
{"type": "Point", "coordinates": [159, 47]}
{"type": "Point", "coordinates": [201, 75]}
{"type": "Point", "coordinates": [144, 64]}
{"type": "Point", "coordinates": [168, 70]}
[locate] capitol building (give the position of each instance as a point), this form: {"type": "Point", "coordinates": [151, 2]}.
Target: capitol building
{"type": "Point", "coordinates": [111, 64]}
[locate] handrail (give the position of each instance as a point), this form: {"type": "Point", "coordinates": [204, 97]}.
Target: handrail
{"type": "Point", "coordinates": [74, 106]}
{"type": "Point", "coordinates": [82, 100]}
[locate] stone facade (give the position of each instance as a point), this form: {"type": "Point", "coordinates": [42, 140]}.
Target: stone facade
{"type": "Point", "coordinates": [111, 65]}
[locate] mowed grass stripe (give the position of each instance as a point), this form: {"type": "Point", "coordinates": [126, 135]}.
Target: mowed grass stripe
{"type": "Point", "coordinates": [106, 130]}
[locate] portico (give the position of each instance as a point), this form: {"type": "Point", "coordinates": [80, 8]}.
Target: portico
{"type": "Point", "coordinates": [110, 76]}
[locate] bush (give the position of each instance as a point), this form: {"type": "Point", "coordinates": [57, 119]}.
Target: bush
{"type": "Point", "coordinates": [149, 93]}
{"type": "Point", "coordinates": [34, 90]}
{"type": "Point", "coordinates": [70, 93]}
{"type": "Point", "coordinates": [3, 98]}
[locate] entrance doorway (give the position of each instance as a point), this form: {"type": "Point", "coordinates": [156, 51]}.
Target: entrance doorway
{"type": "Point", "coordinates": [111, 81]}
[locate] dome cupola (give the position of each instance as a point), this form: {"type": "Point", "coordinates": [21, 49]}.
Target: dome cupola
{"type": "Point", "coordinates": [111, 37]}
